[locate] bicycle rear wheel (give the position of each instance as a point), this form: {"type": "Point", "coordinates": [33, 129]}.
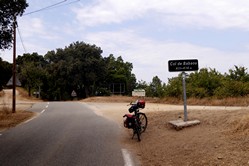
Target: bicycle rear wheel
{"type": "Point", "coordinates": [142, 121]}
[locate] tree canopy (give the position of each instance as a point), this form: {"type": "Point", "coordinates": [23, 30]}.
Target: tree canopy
{"type": "Point", "coordinates": [205, 83]}
{"type": "Point", "coordinates": [9, 9]}
{"type": "Point", "coordinates": [78, 67]}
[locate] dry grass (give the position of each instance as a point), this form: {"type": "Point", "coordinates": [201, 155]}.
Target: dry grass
{"type": "Point", "coordinates": [231, 101]}
{"type": "Point", "coordinates": [23, 95]}
{"type": "Point", "coordinates": [238, 101]}
{"type": "Point", "coordinates": [242, 125]}
{"type": "Point", "coordinates": [9, 119]}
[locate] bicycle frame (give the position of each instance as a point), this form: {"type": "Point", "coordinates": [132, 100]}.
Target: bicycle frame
{"type": "Point", "coordinates": [136, 126]}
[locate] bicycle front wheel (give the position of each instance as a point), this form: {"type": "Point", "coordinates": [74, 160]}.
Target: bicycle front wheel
{"type": "Point", "coordinates": [142, 121]}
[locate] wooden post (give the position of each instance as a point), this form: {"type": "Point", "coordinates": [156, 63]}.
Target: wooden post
{"type": "Point", "coordinates": [14, 67]}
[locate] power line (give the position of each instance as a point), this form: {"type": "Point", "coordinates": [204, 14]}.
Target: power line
{"type": "Point", "coordinates": [45, 8]}
{"type": "Point", "coordinates": [19, 33]}
{"type": "Point", "coordinates": [65, 4]}
{"type": "Point", "coordinates": [58, 4]}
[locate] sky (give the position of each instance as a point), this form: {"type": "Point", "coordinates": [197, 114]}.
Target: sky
{"type": "Point", "coordinates": [146, 33]}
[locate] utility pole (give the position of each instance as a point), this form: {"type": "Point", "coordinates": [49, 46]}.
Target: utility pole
{"type": "Point", "coordinates": [14, 67]}
{"type": "Point", "coordinates": [14, 49]}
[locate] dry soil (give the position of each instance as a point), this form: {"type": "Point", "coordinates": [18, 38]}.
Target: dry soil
{"type": "Point", "coordinates": [221, 139]}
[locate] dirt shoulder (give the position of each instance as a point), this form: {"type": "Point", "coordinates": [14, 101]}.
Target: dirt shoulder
{"type": "Point", "coordinates": [222, 138]}
{"type": "Point", "coordinates": [23, 103]}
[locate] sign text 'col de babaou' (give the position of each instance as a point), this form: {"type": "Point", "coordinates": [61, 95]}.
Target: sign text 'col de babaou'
{"type": "Point", "coordinates": [183, 65]}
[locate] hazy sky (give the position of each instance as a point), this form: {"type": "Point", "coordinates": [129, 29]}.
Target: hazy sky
{"type": "Point", "coordinates": [147, 33]}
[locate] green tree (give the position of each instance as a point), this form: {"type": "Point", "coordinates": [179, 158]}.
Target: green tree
{"type": "Point", "coordinates": [204, 83]}
{"type": "Point", "coordinates": [235, 84]}
{"type": "Point", "coordinates": [141, 85]}
{"type": "Point", "coordinates": [119, 73]}
{"type": "Point", "coordinates": [9, 9]}
{"type": "Point", "coordinates": [31, 71]}
{"type": "Point", "coordinates": [174, 87]}
{"type": "Point", "coordinates": [6, 72]}
{"type": "Point", "coordinates": [238, 74]}
{"type": "Point", "coordinates": [78, 67]}
{"type": "Point", "coordinates": [155, 89]}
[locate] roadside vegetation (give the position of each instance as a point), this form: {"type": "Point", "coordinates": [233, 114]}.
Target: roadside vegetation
{"type": "Point", "coordinates": [203, 84]}
{"type": "Point", "coordinates": [80, 67]}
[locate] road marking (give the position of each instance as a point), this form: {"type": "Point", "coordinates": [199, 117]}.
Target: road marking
{"type": "Point", "coordinates": [47, 105]}
{"type": "Point", "coordinates": [127, 158]}
{"type": "Point", "coordinates": [45, 108]}
{"type": "Point", "coordinates": [30, 119]}
{"type": "Point", "coordinates": [43, 111]}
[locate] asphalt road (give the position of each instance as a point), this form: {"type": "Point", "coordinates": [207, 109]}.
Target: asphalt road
{"type": "Point", "coordinates": [64, 133]}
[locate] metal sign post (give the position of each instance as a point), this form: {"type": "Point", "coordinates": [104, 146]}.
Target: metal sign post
{"type": "Point", "coordinates": [184, 96]}
{"type": "Point", "coordinates": [183, 65]}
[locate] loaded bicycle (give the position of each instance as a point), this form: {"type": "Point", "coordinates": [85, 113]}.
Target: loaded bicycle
{"type": "Point", "coordinates": [136, 121]}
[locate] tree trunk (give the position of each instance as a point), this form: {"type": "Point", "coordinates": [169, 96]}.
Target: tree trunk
{"type": "Point", "coordinates": [29, 91]}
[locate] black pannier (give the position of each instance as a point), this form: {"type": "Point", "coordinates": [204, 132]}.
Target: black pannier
{"type": "Point", "coordinates": [133, 108]}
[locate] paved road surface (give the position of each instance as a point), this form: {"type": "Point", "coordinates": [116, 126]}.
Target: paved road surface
{"type": "Point", "coordinates": [64, 133]}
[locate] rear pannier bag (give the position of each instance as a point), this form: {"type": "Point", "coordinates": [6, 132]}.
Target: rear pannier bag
{"type": "Point", "coordinates": [129, 121]}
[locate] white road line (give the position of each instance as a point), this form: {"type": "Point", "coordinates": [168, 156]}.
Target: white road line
{"type": "Point", "coordinates": [47, 105]}
{"type": "Point", "coordinates": [30, 119]}
{"type": "Point", "coordinates": [43, 111]}
{"type": "Point", "coordinates": [46, 108]}
{"type": "Point", "coordinates": [127, 158]}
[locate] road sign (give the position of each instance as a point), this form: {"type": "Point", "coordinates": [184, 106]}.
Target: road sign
{"type": "Point", "coordinates": [183, 65]}
{"type": "Point", "coordinates": [74, 94]}
{"type": "Point", "coordinates": [10, 82]}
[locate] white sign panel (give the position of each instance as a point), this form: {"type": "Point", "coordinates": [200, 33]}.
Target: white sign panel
{"type": "Point", "coordinates": [138, 92]}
